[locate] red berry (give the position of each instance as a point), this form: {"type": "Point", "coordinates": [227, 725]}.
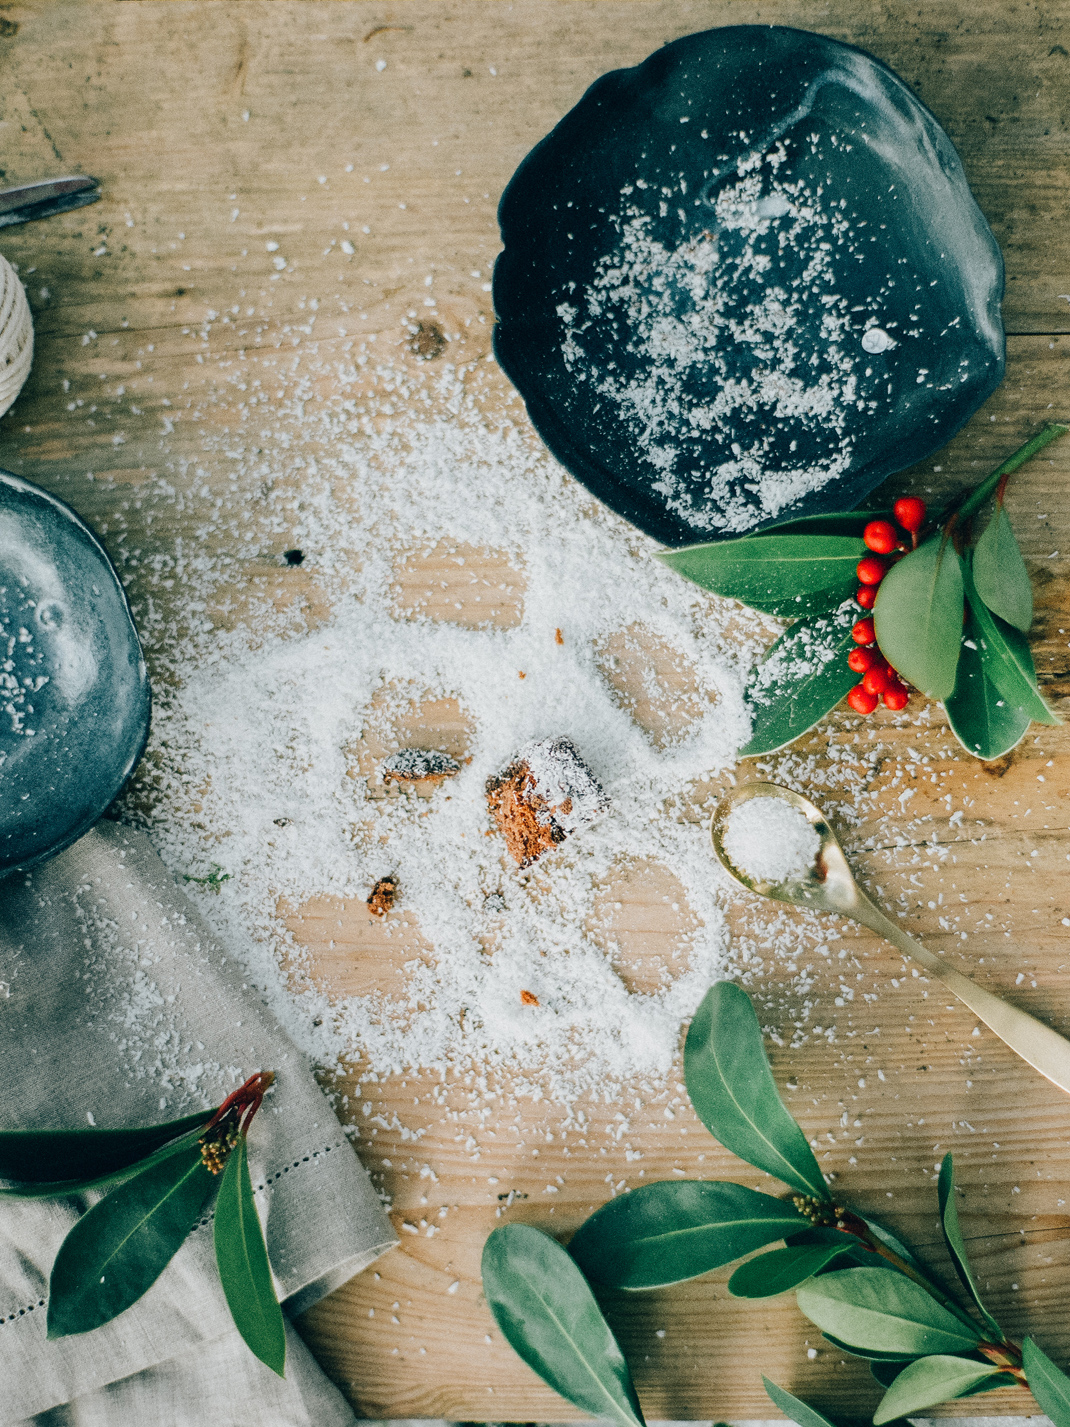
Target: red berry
{"type": "Point", "coordinates": [862, 659]}
{"type": "Point", "coordinates": [863, 632]}
{"type": "Point", "coordinates": [867, 596]}
{"type": "Point", "coordinates": [909, 510]}
{"type": "Point", "coordinates": [877, 679]}
{"type": "Point", "coordinates": [880, 535]}
{"type": "Point", "coordinates": [896, 696]}
{"type": "Point", "coordinates": [861, 701]}
{"type": "Point", "coordinates": [870, 570]}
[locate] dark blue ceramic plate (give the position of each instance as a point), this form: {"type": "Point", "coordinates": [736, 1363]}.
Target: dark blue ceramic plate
{"type": "Point", "coordinates": [74, 694]}
{"type": "Point", "coordinates": [744, 282]}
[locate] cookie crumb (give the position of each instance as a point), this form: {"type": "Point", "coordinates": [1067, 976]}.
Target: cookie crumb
{"type": "Point", "coordinates": [546, 793]}
{"type": "Point", "coordinates": [559, 638]}
{"type": "Point", "coordinates": [383, 896]}
{"type": "Point", "coordinates": [529, 998]}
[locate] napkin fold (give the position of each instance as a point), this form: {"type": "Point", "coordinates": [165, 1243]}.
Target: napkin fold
{"type": "Point", "coordinates": [118, 1007]}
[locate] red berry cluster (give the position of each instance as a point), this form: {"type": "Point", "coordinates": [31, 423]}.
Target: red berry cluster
{"type": "Point", "coordinates": [879, 679]}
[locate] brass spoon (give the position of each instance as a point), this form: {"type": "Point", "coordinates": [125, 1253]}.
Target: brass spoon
{"type": "Point", "coordinates": [829, 886]}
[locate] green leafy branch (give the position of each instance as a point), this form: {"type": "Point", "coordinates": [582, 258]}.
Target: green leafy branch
{"type": "Point", "coordinates": [160, 1179]}
{"type": "Point", "coordinates": [866, 1291]}
{"type": "Point", "coordinates": [804, 571]}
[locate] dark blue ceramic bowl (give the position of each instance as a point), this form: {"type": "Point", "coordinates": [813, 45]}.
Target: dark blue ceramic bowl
{"type": "Point", "coordinates": [745, 282]}
{"type": "Point", "coordinates": [74, 693]}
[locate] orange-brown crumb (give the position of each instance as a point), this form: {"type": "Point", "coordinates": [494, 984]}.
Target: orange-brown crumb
{"type": "Point", "coordinates": [383, 896]}
{"type": "Point", "coordinates": [559, 638]}
{"type": "Point", "coordinates": [529, 998]}
{"type": "Point", "coordinates": [509, 798]}
{"type": "Point", "coordinates": [546, 793]}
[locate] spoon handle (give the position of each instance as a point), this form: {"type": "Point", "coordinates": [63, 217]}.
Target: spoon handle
{"type": "Point", "coordinates": [1044, 1049]}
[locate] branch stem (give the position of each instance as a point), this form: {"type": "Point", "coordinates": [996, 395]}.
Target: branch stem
{"type": "Point", "coordinates": [1006, 1354]}
{"type": "Point", "coordinates": [977, 497]}
{"type": "Point", "coordinates": [837, 1216]}
{"type": "Point", "coordinates": [875, 1245]}
{"type": "Point", "coordinates": [232, 1120]}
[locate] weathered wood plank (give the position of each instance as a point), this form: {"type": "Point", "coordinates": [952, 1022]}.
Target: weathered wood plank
{"type": "Point", "coordinates": [211, 125]}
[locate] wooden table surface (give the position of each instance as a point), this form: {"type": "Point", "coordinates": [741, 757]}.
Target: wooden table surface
{"type": "Point", "coordinates": [190, 111]}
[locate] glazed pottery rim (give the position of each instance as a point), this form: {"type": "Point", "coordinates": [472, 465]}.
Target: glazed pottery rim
{"type": "Point", "coordinates": [589, 461]}
{"type": "Point", "coordinates": [60, 508]}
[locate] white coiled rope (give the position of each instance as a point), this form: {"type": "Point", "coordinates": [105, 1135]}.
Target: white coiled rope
{"type": "Point", "coordinates": [16, 335]}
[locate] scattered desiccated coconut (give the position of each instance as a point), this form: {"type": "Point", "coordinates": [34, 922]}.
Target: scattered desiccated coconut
{"type": "Point", "coordinates": [546, 793]}
{"type": "Point", "coordinates": [685, 311]}
{"type": "Point", "coordinates": [255, 709]}
{"type": "Point", "coordinates": [257, 721]}
{"type": "Point", "coordinates": [419, 765]}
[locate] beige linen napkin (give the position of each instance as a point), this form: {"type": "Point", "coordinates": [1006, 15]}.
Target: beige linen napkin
{"type": "Point", "coordinates": [117, 1003]}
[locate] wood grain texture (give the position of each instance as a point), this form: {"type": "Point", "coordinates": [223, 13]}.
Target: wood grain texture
{"type": "Point", "coordinates": [220, 127]}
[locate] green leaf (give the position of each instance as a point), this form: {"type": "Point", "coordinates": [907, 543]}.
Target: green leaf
{"type": "Point", "coordinates": [897, 1246]}
{"type": "Point", "coordinates": [918, 616]}
{"type": "Point", "coordinates": [838, 522]}
{"type": "Point", "coordinates": [872, 1355]}
{"type": "Point", "coordinates": [982, 720]}
{"type": "Point", "coordinates": [885, 1372]}
{"type": "Point", "coordinates": [956, 1245]}
{"type": "Point", "coordinates": [83, 1156]}
{"type": "Point", "coordinates": [781, 1270]}
{"type": "Point", "coordinates": [872, 1308]}
{"type": "Point", "coordinates": [1000, 575]}
{"type": "Point", "coordinates": [732, 1090]}
{"type": "Point", "coordinates": [802, 677]}
{"type": "Point", "coordinates": [786, 575]}
{"type": "Point", "coordinates": [891, 1241]}
{"type": "Point", "coordinates": [244, 1270]}
{"type": "Point", "coordinates": [1006, 659]}
{"type": "Point", "coordinates": [548, 1314]}
{"type": "Point", "coordinates": [929, 1381]}
{"type": "Point", "coordinates": [794, 1407]}
{"type": "Point", "coordinates": [848, 1246]}
{"type": "Point", "coordinates": [121, 1246]}
{"type": "Point", "coordinates": [664, 1233]}
{"type": "Point", "coordinates": [62, 1187]}
{"type": "Point", "coordinates": [1048, 1384]}
{"type": "Point", "coordinates": [992, 1384]}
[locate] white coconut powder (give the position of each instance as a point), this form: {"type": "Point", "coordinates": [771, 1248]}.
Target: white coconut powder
{"type": "Point", "coordinates": [690, 312]}
{"type": "Point", "coordinates": [770, 840]}
{"type": "Point", "coordinates": [252, 774]}
{"type": "Point", "coordinates": [252, 785]}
